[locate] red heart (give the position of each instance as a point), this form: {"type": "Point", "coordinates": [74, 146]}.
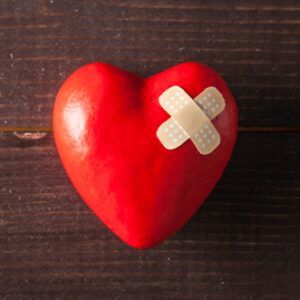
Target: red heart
{"type": "Point", "coordinates": [105, 122]}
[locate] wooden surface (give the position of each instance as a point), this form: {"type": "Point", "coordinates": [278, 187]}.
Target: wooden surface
{"type": "Point", "coordinates": [244, 243]}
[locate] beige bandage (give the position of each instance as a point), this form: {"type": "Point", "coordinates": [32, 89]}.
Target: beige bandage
{"type": "Point", "coordinates": [190, 118]}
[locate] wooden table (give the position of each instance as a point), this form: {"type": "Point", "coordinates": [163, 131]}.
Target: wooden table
{"type": "Point", "coordinates": [243, 243]}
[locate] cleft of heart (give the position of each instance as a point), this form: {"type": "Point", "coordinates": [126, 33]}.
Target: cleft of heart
{"type": "Point", "coordinates": [105, 121]}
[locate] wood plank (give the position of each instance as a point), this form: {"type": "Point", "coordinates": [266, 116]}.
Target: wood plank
{"type": "Point", "coordinates": [255, 46]}
{"type": "Point", "coordinates": [242, 244]}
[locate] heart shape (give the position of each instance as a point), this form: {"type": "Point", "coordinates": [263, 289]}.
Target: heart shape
{"type": "Point", "coordinates": [105, 122]}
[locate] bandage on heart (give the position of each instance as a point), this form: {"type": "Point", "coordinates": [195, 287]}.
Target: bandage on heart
{"type": "Point", "coordinates": [190, 118]}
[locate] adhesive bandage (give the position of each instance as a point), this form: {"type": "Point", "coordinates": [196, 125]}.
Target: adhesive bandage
{"type": "Point", "coordinates": [190, 118]}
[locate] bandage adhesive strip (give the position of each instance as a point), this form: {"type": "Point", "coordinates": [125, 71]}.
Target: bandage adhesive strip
{"type": "Point", "coordinates": [191, 118]}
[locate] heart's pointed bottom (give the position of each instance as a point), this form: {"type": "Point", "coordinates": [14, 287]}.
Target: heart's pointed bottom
{"type": "Point", "coordinates": [105, 122]}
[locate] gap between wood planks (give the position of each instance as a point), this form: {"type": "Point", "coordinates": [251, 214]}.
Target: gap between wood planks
{"type": "Point", "coordinates": [240, 129]}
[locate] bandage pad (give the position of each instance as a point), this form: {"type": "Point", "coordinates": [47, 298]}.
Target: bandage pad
{"type": "Point", "coordinates": [190, 119]}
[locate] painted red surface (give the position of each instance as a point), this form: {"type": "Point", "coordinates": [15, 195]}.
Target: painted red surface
{"type": "Point", "coordinates": [105, 122]}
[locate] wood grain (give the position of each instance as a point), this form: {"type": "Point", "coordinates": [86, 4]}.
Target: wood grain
{"type": "Point", "coordinates": [242, 244]}
{"type": "Point", "coordinates": [253, 44]}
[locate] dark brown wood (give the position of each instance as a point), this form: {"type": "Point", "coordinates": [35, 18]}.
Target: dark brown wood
{"type": "Point", "coordinates": [244, 243]}
{"type": "Point", "coordinates": [253, 44]}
